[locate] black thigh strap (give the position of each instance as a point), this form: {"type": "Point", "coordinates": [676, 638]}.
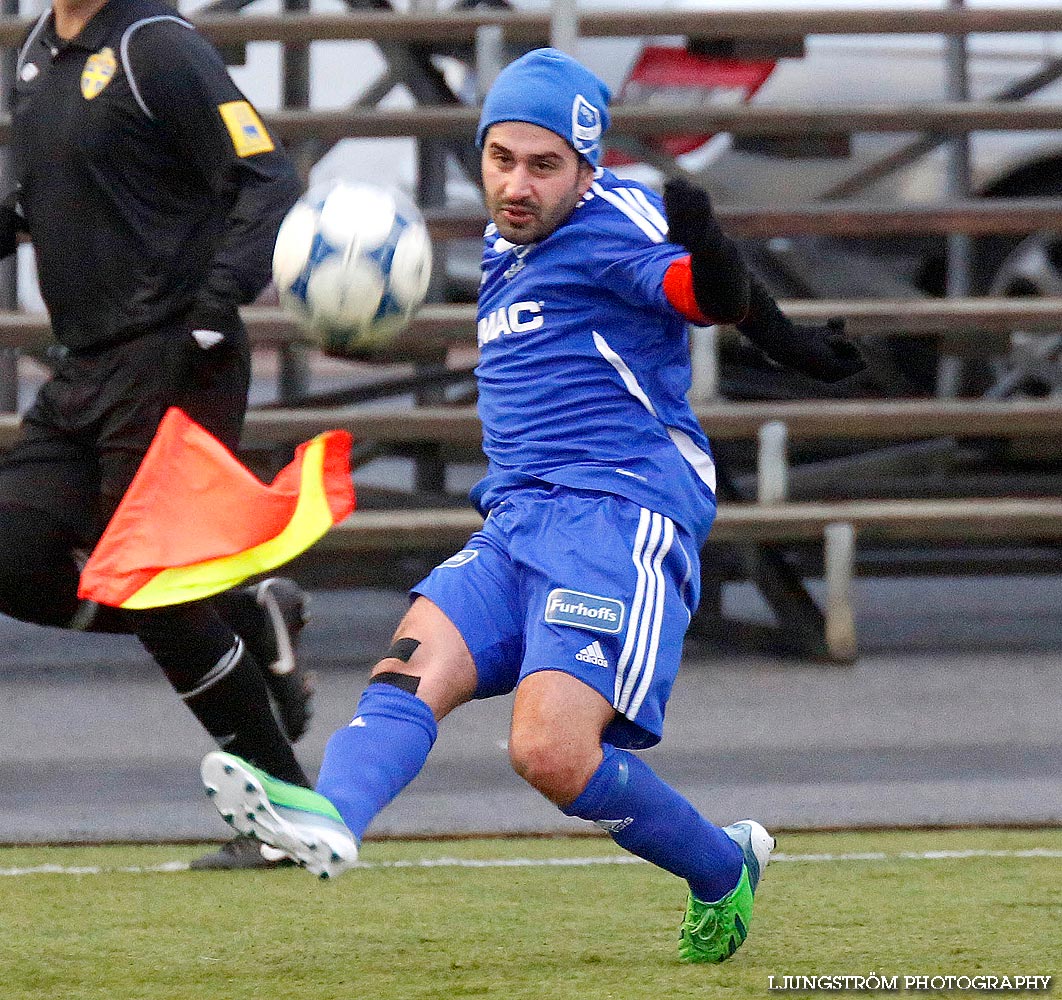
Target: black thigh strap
{"type": "Point", "coordinates": [404, 682]}
{"type": "Point", "coordinates": [402, 649]}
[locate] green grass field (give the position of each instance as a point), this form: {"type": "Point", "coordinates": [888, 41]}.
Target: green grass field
{"type": "Point", "coordinates": [404, 930]}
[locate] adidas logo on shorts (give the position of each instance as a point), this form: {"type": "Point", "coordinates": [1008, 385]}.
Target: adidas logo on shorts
{"type": "Point", "coordinates": [593, 654]}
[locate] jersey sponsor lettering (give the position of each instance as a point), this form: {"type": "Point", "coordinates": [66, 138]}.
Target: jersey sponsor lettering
{"type": "Point", "coordinates": [99, 70]}
{"type": "Point", "coordinates": [520, 317]}
{"type": "Point", "coordinates": [589, 611]}
{"type": "Point", "coordinates": [248, 134]}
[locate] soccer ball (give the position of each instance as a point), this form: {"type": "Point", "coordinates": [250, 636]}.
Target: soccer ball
{"type": "Point", "coordinates": [352, 264]}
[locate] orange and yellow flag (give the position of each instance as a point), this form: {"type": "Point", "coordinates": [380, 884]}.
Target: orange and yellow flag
{"type": "Point", "coordinates": [195, 521]}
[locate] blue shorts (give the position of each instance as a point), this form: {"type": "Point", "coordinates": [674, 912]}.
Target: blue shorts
{"type": "Point", "coordinates": [586, 583]}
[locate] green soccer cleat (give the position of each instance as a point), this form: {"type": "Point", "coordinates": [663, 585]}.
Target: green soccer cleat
{"type": "Point", "coordinates": [712, 932]}
{"type": "Point", "coordinates": [297, 821]}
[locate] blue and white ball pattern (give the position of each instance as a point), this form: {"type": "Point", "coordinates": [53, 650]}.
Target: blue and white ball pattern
{"type": "Point", "coordinates": [352, 263]}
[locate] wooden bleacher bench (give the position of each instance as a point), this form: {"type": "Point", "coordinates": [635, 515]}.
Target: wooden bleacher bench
{"type": "Point", "coordinates": [973, 217]}
{"type": "Point", "coordinates": [436, 328]}
{"type": "Point", "coordinates": [835, 526]}
{"type": "Point", "coordinates": [534, 26]}
{"type": "Point", "coordinates": [459, 121]}
{"type": "Point", "coordinates": [794, 521]}
{"type": "Point", "coordinates": [804, 420]}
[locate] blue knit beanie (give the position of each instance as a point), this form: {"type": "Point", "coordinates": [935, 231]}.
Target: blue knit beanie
{"type": "Point", "coordinates": [550, 89]}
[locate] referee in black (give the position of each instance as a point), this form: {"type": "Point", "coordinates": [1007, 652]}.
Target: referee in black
{"type": "Point", "coordinates": [152, 193]}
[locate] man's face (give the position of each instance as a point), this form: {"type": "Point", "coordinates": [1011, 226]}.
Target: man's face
{"type": "Point", "coordinates": [532, 180]}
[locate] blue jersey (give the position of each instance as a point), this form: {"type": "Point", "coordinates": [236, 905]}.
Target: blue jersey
{"type": "Point", "coordinates": [584, 364]}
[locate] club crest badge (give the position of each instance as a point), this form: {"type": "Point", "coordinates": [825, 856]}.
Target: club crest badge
{"type": "Point", "coordinates": [99, 69]}
{"type": "Point", "coordinates": [586, 125]}
{"type": "Point", "coordinates": [519, 260]}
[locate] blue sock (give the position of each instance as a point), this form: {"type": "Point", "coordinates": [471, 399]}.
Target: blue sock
{"type": "Point", "coordinates": [367, 763]}
{"type": "Point", "coordinates": [647, 817]}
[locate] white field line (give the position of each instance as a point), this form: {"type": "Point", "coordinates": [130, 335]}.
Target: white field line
{"type": "Point", "coordinates": [619, 859]}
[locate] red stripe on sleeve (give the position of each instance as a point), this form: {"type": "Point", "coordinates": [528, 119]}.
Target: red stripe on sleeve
{"type": "Point", "coordinates": [678, 288]}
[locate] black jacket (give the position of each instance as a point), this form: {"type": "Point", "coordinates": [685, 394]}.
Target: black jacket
{"type": "Point", "coordinates": [149, 186]}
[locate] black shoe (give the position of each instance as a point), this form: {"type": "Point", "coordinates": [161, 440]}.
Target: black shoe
{"type": "Point", "coordinates": [291, 687]}
{"type": "Point", "coordinates": [242, 852]}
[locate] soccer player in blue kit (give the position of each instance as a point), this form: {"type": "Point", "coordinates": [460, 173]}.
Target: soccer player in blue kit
{"type": "Point", "coordinates": [599, 493]}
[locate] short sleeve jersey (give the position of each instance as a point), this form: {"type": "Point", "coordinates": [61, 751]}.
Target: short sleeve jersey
{"type": "Point", "coordinates": [584, 364]}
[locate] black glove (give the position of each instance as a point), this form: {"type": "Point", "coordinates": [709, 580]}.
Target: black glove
{"type": "Point", "coordinates": [211, 334]}
{"type": "Point", "coordinates": [720, 275]}
{"type": "Point", "coordinates": [211, 328]}
{"type": "Point", "coordinates": [821, 352]}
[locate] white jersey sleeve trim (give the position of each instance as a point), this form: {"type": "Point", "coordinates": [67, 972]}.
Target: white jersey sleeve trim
{"type": "Point", "coordinates": [641, 205]}
{"type": "Point", "coordinates": [124, 48]}
{"type": "Point", "coordinates": [625, 201]}
{"type": "Point", "coordinates": [649, 209]}
{"type": "Point", "coordinates": [624, 372]}
{"type": "Point", "coordinates": [700, 460]}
